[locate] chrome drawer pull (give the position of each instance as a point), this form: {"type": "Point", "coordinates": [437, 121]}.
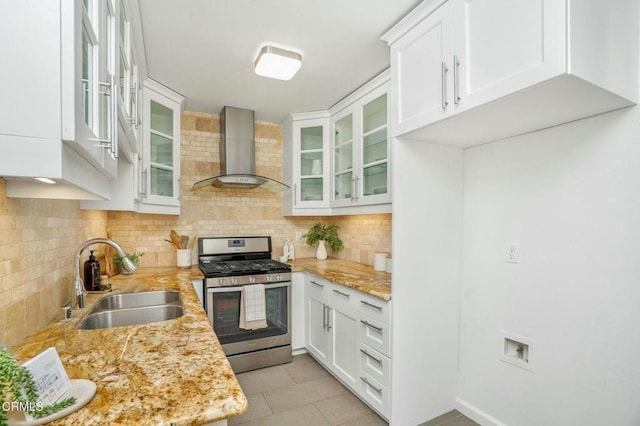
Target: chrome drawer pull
{"type": "Point", "coordinates": [379, 361]}
{"type": "Point", "coordinates": [378, 329]}
{"type": "Point", "coordinates": [324, 315]}
{"type": "Point", "coordinates": [364, 302]}
{"type": "Point", "coordinates": [379, 390]}
{"type": "Point", "coordinates": [342, 293]}
{"type": "Point", "coordinates": [318, 284]}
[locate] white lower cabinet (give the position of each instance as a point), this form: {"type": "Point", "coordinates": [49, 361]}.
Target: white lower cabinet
{"type": "Point", "coordinates": [316, 302]}
{"type": "Point", "coordinates": [349, 333]}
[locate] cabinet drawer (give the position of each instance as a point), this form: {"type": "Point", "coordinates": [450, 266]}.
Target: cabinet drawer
{"type": "Point", "coordinates": [375, 394]}
{"type": "Point", "coordinates": [317, 287]}
{"type": "Point", "coordinates": [375, 335]}
{"type": "Point", "coordinates": [343, 297]}
{"type": "Point", "coordinates": [374, 364]}
{"type": "Point", "coordinates": [374, 307]}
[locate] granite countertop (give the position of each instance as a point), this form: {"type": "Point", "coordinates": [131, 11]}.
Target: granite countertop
{"type": "Point", "coordinates": [351, 274]}
{"type": "Point", "coordinates": [172, 372]}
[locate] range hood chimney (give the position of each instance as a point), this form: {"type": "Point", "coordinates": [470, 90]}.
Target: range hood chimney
{"type": "Point", "coordinates": [238, 154]}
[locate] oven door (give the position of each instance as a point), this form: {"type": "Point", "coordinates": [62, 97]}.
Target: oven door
{"type": "Point", "coordinates": [223, 310]}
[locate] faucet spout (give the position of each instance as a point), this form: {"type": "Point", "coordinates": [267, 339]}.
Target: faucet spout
{"type": "Point", "coordinates": [79, 286]}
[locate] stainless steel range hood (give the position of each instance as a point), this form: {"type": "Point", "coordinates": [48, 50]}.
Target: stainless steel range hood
{"type": "Point", "coordinates": [238, 154]}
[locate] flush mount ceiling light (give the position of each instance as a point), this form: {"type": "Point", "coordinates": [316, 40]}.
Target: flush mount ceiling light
{"type": "Point", "coordinates": [275, 62]}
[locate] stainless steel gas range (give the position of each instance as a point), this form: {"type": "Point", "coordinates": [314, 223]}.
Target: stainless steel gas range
{"type": "Point", "coordinates": [229, 263]}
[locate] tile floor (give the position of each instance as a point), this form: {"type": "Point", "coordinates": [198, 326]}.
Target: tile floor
{"type": "Point", "coordinates": [304, 393]}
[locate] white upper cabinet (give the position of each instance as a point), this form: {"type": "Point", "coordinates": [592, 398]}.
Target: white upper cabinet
{"type": "Point", "coordinates": [466, 72]}
{"type": "Point", "coordinates": [64, 116]}
{"type": "Point", "coordinates": [306, 164]}
{"type": "Point", "coordinates": [160, 157]}
{"type": "Point", "coordinates": [337, 161]}
{"type": "Point", "coordinates": [129, 78]}
{"type": "Point", "coordinates": [360, 161]}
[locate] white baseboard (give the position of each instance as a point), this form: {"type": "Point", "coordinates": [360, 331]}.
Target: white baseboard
{"type": "Point", "coordinates": [477, 415]}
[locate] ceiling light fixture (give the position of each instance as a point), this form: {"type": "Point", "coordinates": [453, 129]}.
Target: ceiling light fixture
{"type": "Point", "coordinates": [45, 180]}
{"type": "Point", "coordinates": [275, 62]}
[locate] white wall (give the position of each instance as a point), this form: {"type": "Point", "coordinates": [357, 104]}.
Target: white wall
{"type": "Point", "coordinates": [569, 196]}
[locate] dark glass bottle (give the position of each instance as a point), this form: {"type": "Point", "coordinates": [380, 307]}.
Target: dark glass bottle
{"type": "Point", "coordinates": [92, 273]}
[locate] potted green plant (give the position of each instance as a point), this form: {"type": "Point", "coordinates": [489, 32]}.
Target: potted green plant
{"type": "Point", "coordinates": [17, 385]}
{"type": "Point", "coordinates": [322, 234]}
{"type": "Point", "coordinates": [135, 258]}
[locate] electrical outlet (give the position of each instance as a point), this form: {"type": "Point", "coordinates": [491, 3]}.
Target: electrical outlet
{"type": "Point", "coordinates": [513, 255]}
{"type": "Point", "coordinates": [299, 235]}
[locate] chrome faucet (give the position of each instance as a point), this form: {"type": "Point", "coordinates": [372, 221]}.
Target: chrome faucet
{"type": "Point", "coordinates": [79, 286]}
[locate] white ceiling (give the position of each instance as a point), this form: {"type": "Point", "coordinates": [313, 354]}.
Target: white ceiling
{"type": "Point", "coordinates": [204, 49]}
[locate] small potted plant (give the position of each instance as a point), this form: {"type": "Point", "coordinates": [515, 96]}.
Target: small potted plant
{"type": "Point", "coordinates": [17, 385]}
{"type": "Point", "coordinates": [135, 258]}
{"type": "Point", "coordinates": [322, 234]}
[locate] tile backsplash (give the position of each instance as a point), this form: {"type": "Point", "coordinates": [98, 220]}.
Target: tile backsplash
{"type": "Point", "coordinates": [38, 241]}
{"type": "Point", "coordinates": [234, 212]}
{"type": "Point", "coordinates": [38, 238]}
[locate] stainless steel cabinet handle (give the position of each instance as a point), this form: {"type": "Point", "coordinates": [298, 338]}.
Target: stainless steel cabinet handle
{"type": "Point", "coordinates": [364, 302]}
{"type": "Point", "coordinates": [353, 188]}
{"type": "Point", "coordinates": [295, 194]}
{"type": "Point", "coordinates": [318, 284]}
{"type": "Point", "coordinates": [379, 390]}
{"type": "Point", "coordinates": [341, 293]}
{"type": "Point", "coordinates": [445, 103]}
{"type": "Point", "coordinates": [355, 192]}
{"type": "Point", "coordinates": [324, 316]}
{"type": "Point", "coordinates": [379, 361]}
{"type": "Point", "coordinates": [456, 78]}
{"type": "Point", "coordinates": [179, 189]}
{"type": "Point", "coordinates": [378, 329]}
{"type": "Point", "coordinates": [143, 193]}
{"type": "Point", "coordinates": [328, 317]}
{"type": "Point", "coordinates": [111, 141]}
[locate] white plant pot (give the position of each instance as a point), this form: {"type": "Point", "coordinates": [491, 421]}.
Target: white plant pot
{"type": "Point", "coordinates": [321, 252]}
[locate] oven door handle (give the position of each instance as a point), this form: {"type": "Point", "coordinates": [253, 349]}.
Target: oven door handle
{"type": "Point", "coordinates": [239, 287]}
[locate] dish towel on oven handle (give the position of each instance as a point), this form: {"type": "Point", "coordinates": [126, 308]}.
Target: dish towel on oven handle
{"type": "Point", "coordinates": [253, 307]}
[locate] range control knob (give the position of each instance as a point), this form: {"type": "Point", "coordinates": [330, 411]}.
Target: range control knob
{"type": "Point", "coordinates": [221, 281]}
{"type": "Point", "coordinates": [234, 281]}
{"type": "Point", "coordinates": [252, 279]}
{"type": "Point", "coordinates": [278, 277]}
{"type": "Point", "coordinates": [268, 277]}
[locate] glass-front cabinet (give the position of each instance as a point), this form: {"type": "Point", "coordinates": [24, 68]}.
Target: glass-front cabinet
{"type": "Point", "coordinates": [360, 145]}
{"type": "Point", "coordinates": [306, 164]}
{"type": "Point", "coordinates": [160, 159]}
{"type": "Point", "coordinates": [374, 148]}
{"type": "Point", "coordinates": [88, 120]}
{"type": "Point", "coordinates": [337, 160]}
{"type": "Point", "coordinates": [311, 188]}
{"type": "Point", "coordinates": [343, 176]}
{"type": "Point", "coordinates": [128, 84]}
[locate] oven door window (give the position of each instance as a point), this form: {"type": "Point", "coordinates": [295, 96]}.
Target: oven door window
{"type": "Point", "coordinates": [226, 316]}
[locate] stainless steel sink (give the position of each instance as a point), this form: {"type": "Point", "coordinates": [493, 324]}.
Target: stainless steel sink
{"type": "Point", "coordinates": [138, 299]}
{"type": "Point", "coordinates": [130, 316]}
{"type": "Point", "coordinates": [118, 310]}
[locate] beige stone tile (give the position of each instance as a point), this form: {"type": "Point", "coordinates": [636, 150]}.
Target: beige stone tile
{"type": "Point", "coordinates": [442, 418]}
{"type": "Point", "coordinates": [187, 122]}
{"type": "Point", "coordinates": [367, 420]}
{"type": "Point", "coordinates": [303, 393]}
{"type": "Point", "coordinates": [306, 415]}
{"type": "Point", "coordinates": [258, 408]}
{"type": "Point", "coordinates": [343, 408]}
{"type": "Point", "coordinates": [264, 380]}
{"type": "Point", "coordinates": [304, 368]}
